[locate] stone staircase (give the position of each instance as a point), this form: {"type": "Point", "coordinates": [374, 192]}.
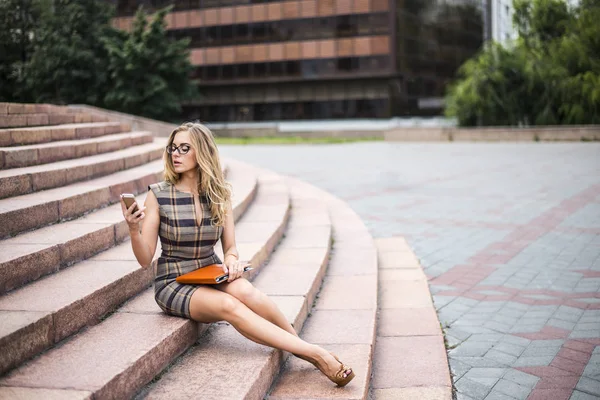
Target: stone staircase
{"type": "Point", "coordinates": [77, 313]}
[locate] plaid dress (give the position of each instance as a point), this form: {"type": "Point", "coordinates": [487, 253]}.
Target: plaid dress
{"type": "Point", "coordinates": [185, 246]}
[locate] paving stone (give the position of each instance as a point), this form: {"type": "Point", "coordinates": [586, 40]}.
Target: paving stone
{"type": "Point", "coordinates": [559, 323]}
{"type": "Point", "coordinates": [512, 389]}
{"type": "Point", "coordinates": [521, 378]}
{"type": "Point", "coordinates": [477, 329]}
{"type": "Point", "coordinates": [472, 389]}
{"type": "Point", "coordinates": [457, 333]}
{"type": "Point", "coordinates": [462, 396]}
{"type": "Point", "coordinates": [500, 357]}
{"type": "Point", "coordinates": [508, 348]}
{"type": "Point", "coordinates": [489, 382]}
{"type": "Point", "coordinates": [497, 326]}
{"type": "Point", "coordinates": [498, 396]}
{"type": "Point", "coordinates": [584, 334]}
{"type": "Point", "coordinates": [485, 373]}
{"type": "Point", "coordinates": [533, 361]}
{"type": "Point", "coordinates": [592, 370]}
{"type": "Point", "coordinates": [478, 361]}
{"type": "Point", "coordinates": [577, 395]}
{"type": "Point", "coordinates": [471, 349]}
{"type": "Point", "coordinates": [540, 351]}
{"type": "Point", "coordinates": [516, 340]}
{"type": "Point", "coordinates": [546, 343]}
{"type": "Point", "coordinates": [486, 337]}
{"type": "Point", "coordinates": [590, 386]}
{"type": "Point", "coordinates": [568, 313]}
{"type": "Point", "coordinates": [527, 328]}
{"type": "Point", "coordinates": [458, 368]}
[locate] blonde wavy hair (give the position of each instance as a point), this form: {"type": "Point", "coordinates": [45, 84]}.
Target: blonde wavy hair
{"type": "Point", "coordinates": [211, 181]}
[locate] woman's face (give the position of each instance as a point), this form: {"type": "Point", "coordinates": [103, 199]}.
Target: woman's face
{"type": "Point", "coordinates": [183, 162]}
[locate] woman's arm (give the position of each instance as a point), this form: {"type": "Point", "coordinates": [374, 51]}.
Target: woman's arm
{"type": "Point", "coordinates": [228, 236]}
{"type": "Point", "coordinates": [231, 264]}
{"type": "Point", "coordinates": [143, 243]}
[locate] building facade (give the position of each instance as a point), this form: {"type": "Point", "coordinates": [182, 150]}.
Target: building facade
{"type": "Point", "coordinates": [258, 60]}
{"type": "Point", "coordinates": [501, 21]}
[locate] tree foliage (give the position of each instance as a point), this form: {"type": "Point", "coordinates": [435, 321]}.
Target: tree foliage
{"type": "Point", "coordinates": [66, 51]}
{"type": "Point", "coordinates": [149, 72]}
{"type": "Point", "coordinates": [18, 20]}
{"type": "Point", "coordinates": [551, 75]}
{"type": "Point", "coordinates": [68, 64]}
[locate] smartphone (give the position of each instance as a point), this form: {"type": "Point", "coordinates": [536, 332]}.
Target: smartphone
{"type": "Point", "coordinates": [129, 199]}
{"type": "Point", "coordinates": [224, 277]}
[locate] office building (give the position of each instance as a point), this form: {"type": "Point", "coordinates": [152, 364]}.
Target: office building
{"type": "Point", "coordinates": [258, 60]}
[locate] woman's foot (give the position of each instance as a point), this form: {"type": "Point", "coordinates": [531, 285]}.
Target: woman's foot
{"type": "Point", "coordinates": [331, 367]}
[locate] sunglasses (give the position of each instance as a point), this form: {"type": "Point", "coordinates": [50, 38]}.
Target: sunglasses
{"type": "Point", "coordinates": [182, 149]}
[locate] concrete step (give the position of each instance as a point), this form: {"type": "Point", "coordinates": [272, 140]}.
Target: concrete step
{"type": "Point", "coordinates": [343, 318]}
{"type": "Point", "coordinates": [31, 108]}
{"type": "Point", "coordinates": [45, 134]}
{"type": "Point", "coordinates": [43, 313]}
{"type": "Point", "coordinates": [36, 154]}
{"type": "Point", "coordinates": [232, 366]}
{"type": "Point", "coordinates": [116, 357]}
{"type": "Point", "coordinates": [20, 181]}
{"type": "Point", "coordinates": [35, 210]}
{"type": "Point", "coordinates": [52, 118]}
{"type": "Point", "coordinates": [32, 255]}
{"type": "Point", "coordinates": [29, 256]}
{"type": "Point", "coordinates": [408, 329]}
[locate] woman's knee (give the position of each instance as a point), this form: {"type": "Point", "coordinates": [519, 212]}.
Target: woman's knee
{"type": "Point", "coordinates": [228, 307]}
{"type": "Point", "coordinates": [210, 305]}
{"type": "Point", "coordinates": [244, 291]}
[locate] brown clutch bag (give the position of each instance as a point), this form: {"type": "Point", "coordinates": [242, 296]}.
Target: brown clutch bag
{"type": "Point", "coordinates": [209, 275]}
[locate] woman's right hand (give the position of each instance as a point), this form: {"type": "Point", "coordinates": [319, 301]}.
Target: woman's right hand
{"type": "Point", "coordinates": [133, 218]}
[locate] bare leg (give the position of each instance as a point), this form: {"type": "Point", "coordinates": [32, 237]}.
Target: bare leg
{"type": "Point", "coordinates": [258, 302]}
{"type": "Point", "coordinates": [210, 305]}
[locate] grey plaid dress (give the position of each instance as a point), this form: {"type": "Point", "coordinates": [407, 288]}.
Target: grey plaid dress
{"type": "Point", "coordinates": [185, 246]}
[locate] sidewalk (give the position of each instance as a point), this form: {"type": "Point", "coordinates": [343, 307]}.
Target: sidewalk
{"type": "Point", "coordinates": [508, 235]}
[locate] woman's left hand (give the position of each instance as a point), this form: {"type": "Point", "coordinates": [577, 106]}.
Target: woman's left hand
{"type": "Point", "coordinates": [235, 268]}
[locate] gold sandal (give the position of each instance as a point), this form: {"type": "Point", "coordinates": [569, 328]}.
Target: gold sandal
{"type": "Point", "coordinates": [339, 375]}
{"type": "Point", "coordinates": [338, 378]}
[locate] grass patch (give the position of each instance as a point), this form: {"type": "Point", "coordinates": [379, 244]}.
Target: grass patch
{"type": "Point", "coordinates": [291, 140]}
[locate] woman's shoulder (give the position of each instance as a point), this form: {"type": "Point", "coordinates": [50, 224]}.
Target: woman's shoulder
{"type": "Point", "coordinates": [159, 187]}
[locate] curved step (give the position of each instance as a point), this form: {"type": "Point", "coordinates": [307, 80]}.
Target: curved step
{"type": "Point", "coordinates": [31, 108]}
{"type": "Point", "coordinates": [38, 119]}
{"type": "Point", "coordinates": [20, 181]}
{"type": "Point", "coordinates": [29, 256]}
{"type": "Point", "coordinates": [22, 213]}
{"type": "Point", "coordinates": [29, 155]}
{"type": "Point", "coordinates": [45, 134]}
{"type": "Point", "coordinates": [38, 315]}
{"type": "Point", "coordinates": [291, 278]}
{"type": "Point", "coordinates": [408, 329]}
{"type": "Point", "coordinates": [344, 316]}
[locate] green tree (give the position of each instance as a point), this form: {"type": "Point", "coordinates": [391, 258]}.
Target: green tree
{"type": "Point", "coordinates": [18, 20]}
{"type": "Point", "coordinates": [551, 75]}
{"type": "Point", "coordinates": [149, 72]}
{"type": "Point", "coordinates": [69, 60]}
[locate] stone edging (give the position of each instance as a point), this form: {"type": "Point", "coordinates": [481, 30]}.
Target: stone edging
{"type": "Point", "coordinates": [541, 133]}
{"type": "Point", "coordinates": [443, 134]}
{"type": "Point", "coordinates": [410, 356]}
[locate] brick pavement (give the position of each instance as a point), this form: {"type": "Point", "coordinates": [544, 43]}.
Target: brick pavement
{"type": "Point", "coordinates": [509, 236]}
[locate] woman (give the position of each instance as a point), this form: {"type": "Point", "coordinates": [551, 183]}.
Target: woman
{"type": "Point", "coordinates": [190, 211]}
